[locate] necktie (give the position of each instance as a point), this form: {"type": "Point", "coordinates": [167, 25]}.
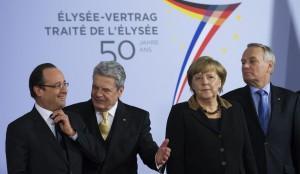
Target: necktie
{"type": "Point", "coordinates": [263, 115]}
{"type": "Point", "coordinates": [58, 134]}
{"type": "Point", "coordinates": [104, 125]}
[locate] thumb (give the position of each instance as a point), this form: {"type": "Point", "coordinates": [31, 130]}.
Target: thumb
{"type": "Point", "coordinates": [165, 143]}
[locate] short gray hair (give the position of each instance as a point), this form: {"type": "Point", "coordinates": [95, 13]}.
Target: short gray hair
{"type": "Point", "coordinates": [111, 69]}
{"type": "Point", "coordinates": [268, 53]}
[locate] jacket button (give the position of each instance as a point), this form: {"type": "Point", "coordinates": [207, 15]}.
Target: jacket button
{"type": "Point", "coordinates": [223, 163]}
{"type": "Point", "coordinates": [222, 149]}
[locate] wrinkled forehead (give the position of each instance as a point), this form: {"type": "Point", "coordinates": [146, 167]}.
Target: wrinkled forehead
{"type": "Point", "coordinates": [253, 52]}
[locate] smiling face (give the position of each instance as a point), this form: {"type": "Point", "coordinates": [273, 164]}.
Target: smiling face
{"type": "Point", "coordinates": [206, 85]}
{"type": "Point", "coordinates": [105, 92]}
{"type": "Point", "coordinates": [50, 97]}
{"type": "Point", "coordinates": [256, 70]}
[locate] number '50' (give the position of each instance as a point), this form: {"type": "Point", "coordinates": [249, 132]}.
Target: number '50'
{"type": "Point", "coordinates": [126, 49]}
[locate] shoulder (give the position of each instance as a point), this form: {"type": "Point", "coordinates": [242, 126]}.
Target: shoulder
{"type": "Point", "coordinates": [79, 105]}
{"type": "Point", "coordinates": [235, 92]}
{"type": "Point", "coordinates": [240, 95]}
{"type": "Point", "coordinates": [22, 123]}
{"type": "Point", "coordinates": [281, 90]}
{"type": "Point", "coordinates": [283, 93]}
{"type": "Point", "coordinates": [183, 105]}
{"type": "Point", "coordinates": [179, 109]}
{"type": "Point", "coordinates": [132, 109]}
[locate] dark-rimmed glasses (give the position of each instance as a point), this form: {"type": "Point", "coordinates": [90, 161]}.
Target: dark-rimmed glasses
{"type": "Point", "coordinates": [57, 85]}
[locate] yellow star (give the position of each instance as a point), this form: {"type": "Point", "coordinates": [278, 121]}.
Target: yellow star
{"type": "Point", "coordinates": [236, 36]}
{"type": "Point", "coordinates": [223, 50]}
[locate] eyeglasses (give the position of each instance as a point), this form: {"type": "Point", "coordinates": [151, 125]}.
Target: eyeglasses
{"type": "Point", "coordinates": [57, 85]}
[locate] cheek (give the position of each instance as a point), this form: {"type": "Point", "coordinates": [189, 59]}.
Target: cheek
{"type": "Point", "coordinates": [196, 85]}
{"type": "Point", "coordinates": [217, 85]}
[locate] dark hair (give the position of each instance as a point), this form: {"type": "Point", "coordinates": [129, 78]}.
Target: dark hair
{"type": "Point", "coordinates": [36, 77]}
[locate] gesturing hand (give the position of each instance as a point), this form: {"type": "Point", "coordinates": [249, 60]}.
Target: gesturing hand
{"type": "Point", "coordinates": [163, 153]}
{"type": "Point", "coordinates": [60, 118]}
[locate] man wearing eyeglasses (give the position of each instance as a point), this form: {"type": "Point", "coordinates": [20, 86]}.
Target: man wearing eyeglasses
{"type": "Point", "coordinates": [48, 140]}
{"type": "Point", "coordinates": [272, 113]}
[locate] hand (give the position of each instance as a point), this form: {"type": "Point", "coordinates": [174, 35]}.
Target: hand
{"type": "Point", "coordinates": [60, 118]}
{"type": "Point", "coordinates": [163, 153]}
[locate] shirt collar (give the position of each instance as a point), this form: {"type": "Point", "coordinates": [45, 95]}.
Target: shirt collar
{"type": "Point", "coordinates": [112, 110]}
{"type": "Point", "coordinates": [265, 88]}
{"type": "Point", "coordinates": [43, 112]}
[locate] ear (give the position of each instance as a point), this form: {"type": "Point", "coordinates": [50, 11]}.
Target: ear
{"type": "Point", "coordinates": [270, 67]}
{"type": "Point", "coordinates": [120, 91]}
{"type": "Point", "coordinates": [38, 91]}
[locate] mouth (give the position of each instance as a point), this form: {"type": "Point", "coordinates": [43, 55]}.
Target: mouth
{"type": "Point", "coordinates": [98, 101]}
{"type": "Point", "coordinates": [62, 97]}
{"type": "Point", "coordinates": [247, 73]}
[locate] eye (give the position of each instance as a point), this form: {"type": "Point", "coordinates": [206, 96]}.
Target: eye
{"type": "Point", "coordinates": [252, 61]}
{"type": "Point", "coordinates": [211, 76]}
{"type": "Point", "coordinates": [106, 90]}
{"type": "Point", "coordinates": [198, 77]}
{"type": "Point", "coordinates": [58, 85]}
{"type": "Point", "coordinates": [95, 87]}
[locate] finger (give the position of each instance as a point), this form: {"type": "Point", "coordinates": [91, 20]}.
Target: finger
{"type": "Point", "coordinates": [165, 143]}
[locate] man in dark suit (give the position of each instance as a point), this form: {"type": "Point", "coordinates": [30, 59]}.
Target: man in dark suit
{"type": "Point", "coordinates": [124, 129]}
{"type": "Point", "coordinates": [273, 117]}
{"type": "Point", "coordinates": [48, 140]}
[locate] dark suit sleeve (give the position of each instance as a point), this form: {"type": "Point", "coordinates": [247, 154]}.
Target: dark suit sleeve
{"type": "Point", "coordinates": [17, 152]}
{"type": "Point", "coordinates": [296, 136]}
{"type": "Point", "coordinates": [91, 147]}
{"type": "Point", "coordinates": [147, 147]}
{"type": "Point", "coordinates": [175, 133]}
{"type": "Point", "coordinates": [248, 155]}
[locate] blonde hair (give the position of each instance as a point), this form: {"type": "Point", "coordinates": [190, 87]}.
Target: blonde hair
{"type": "Point", "coordinates": [205, 64]}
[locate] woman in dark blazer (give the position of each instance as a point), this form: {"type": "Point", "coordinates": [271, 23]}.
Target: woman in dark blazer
{"type": "Point", "coordinates": [208, 134]}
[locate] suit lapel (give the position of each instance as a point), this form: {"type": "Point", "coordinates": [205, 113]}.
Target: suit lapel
{"type": "Point", "coordinates": [46, 136]}
{"type": "Point", "coordinates": [119, 129]}
{"type": "Point", "coordinates": [91, 120]}
{"type": "Point", "coordinates": [276, 103]}
{"type": "Point", "coordinates": [249, 109]}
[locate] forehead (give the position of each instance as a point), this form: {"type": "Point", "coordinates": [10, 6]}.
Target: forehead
{"type": "Point", "coordinates": [253, 52]}
{"type": "Point", "coordinates": [208, 72]}
{"type": "Point", "coordinates": [103, 81]}
{"type": "Point", "coordinates": [53, 75]}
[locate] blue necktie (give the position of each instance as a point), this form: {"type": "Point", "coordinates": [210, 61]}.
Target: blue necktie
{"type": "Point", "coordinates": [263, 115]}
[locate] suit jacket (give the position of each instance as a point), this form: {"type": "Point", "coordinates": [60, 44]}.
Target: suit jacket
{"type": "Point", "coordinates": [278, 151]}
{"type": "Point", "coordinates": [31, 147]}
{"type": "Point", "coordinates": [129, 135]}
{"type": "Point", "coordinates": [198, 148]}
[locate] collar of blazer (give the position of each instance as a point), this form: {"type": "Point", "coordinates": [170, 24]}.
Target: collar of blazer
{"type": "Point", "coordinates": [195, 106]}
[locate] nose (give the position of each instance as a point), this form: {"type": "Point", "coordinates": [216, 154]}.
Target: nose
{"type": "Point", "coordinates": [245, 65]}
{"type": "Point", "coordinates": [99, 93]}
{"type": "Point", "coordinates": [204, 80]}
